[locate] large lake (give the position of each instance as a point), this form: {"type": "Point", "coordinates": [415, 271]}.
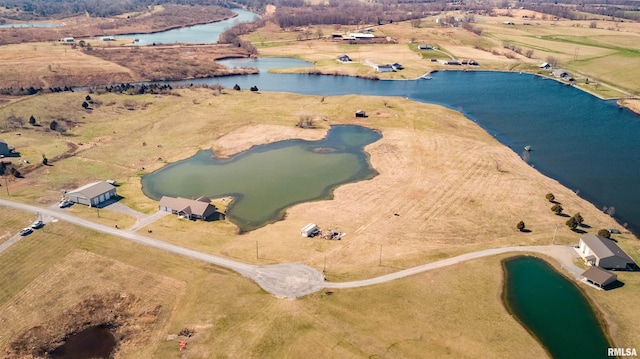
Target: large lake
{"type": "Point", "coordinates": [267, 179]}
{"type": "Point", "coordinates": [588, 144]}
{"type": "Point", "coordinates": [554, 309]}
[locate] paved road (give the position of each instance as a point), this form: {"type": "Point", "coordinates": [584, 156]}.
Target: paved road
{"type": "Point", "coordinates": [290, 280]}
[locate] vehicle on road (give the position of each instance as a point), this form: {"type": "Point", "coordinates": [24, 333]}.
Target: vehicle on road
{"type": "Point", "coordinates": [26, 231]}
{"type": "Point", "coordinates": [37, 224]}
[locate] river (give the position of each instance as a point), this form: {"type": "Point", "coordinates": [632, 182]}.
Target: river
{"type": "Point", "coordinates": [197, 34]}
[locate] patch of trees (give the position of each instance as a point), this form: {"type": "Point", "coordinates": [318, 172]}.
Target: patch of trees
{"type": "Point", "coordinates": [26, 91]}
{"type": "Point", "coordinates": [296, 13]}
{"type": "Point", "coordinates": [232, 35]}
{"type": "Point", "coordinates": [140, 89]}
{"type": "Point", "coordinates": [6, 169]}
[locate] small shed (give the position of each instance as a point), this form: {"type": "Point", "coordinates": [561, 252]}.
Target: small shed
{"type": "Point", "coordinates": [425, 47]}
{"type": "Point", "coordinates": [545, 65]}
{"type": "Point", "coordinates": [344, 58]}
{"type": "Point", "coordinates": [361, 113]}
{"type": "Point", "coordinates": [310, 230]}
{"type": "Point", "coordinates": [599, 277]}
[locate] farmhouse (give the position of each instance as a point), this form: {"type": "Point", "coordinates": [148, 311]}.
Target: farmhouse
{"type": "Point", "coordinates": [200, 208]}
{"type": "Point", "coordinates": [108, 38]}
{"type": "Point", "coordinates": [5, 149]}
{"type": "Point", "coordinates": [545, 65]}
{"type": "Point", "coordinates": [344, 58]}
{"type": "Point", "coordinates": [604, 253]}
{"type": "Point", "coordinates": [92, 194]}
{"type": "Point", "coordinates": [361, 36]}
{"type": "Point", "coordinates": [425, 47]}
{"type": "Point", "coordinates": [599, 277]}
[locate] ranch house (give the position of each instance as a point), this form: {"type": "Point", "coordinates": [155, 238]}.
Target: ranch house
{"type": "Point", "coordinates": [92, 194]}
{"type": "Point", "coordinates": [200, 208]}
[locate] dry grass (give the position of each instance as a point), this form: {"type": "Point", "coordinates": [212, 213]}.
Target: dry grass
{"type": "Point", "coordinates": [55, 64]}
{"type": "Point", "coordinates": [449, 200]}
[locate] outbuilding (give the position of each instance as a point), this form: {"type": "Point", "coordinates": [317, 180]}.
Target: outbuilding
{"type": "Point", "coordinates": [604, 253]}
{"type": "Point", "coordinates": [361, 113]}
{"type": "Point", "coordinates": [599, 277]}
{"type": "Point", "coordinates": [309, 230]}
{"type": "Point", "coordinates": [92, 194]}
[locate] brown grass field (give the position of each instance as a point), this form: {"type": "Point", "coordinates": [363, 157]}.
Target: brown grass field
{"type": "Point", "coordinates": [55, 64]}
{"type": "Point", "coordinates": [449, 201]}
{"type": "Point", "coordinates": [433, 198]}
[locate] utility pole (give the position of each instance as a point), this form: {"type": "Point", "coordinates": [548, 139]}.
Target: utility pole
{"type": "Point", "coordinates": [380, 260]}
{"type": "Point", "coordinates": [554, 235]}
{"type": "Point", "coordinates": [6, 185]}
{"type": "Point", "coordinates": [257, 257]}
{"type": "Point", "coordinates": [324, 266]}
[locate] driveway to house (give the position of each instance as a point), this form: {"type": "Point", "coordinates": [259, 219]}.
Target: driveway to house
{"type": "Point", "coordinates": [292, 280]}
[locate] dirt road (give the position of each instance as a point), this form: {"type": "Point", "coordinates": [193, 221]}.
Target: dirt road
{"type": "Point", "coordinates": [292, 280]}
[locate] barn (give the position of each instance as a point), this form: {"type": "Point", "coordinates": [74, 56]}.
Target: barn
{"type": "Point", "coordinates": [92, 194]}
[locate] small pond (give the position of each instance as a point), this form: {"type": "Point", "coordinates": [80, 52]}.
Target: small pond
{"type": "Point", "coordinates": [553, 309]}
{"type": "Point", "coordinates": [94, 342]}
{"type": "Point", "coordinates": [267, 179]}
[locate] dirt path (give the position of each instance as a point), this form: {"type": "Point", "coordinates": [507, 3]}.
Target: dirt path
{"type": "Point", "coordinates": [292, 280]}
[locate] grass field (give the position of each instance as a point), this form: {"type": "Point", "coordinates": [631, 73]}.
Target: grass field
{"type": "Point", "coordinates": [446, 198]}
{"type": "Point", "coordinates": [432, 199]}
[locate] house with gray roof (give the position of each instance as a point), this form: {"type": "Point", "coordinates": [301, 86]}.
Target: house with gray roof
{"type": "Point", "coordinates": [5, 149]}
{"type": "Point", "coordinates": [92, 194]}
{"type": "Point", "coordinates": [200, 208]}
{"type": "Point", "coordinates": [604, 253]}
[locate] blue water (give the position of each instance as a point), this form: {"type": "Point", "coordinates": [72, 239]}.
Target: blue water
{"type": "Point", "coordinates": [587, 144]}
{"type": "Point", "coordinates": [197, 34]}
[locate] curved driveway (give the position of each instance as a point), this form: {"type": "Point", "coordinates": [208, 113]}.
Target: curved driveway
{"type": "Point", "coordinates": [292, 280]}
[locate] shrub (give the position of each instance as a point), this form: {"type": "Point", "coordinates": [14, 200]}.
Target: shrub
{"type": "Point", "coordinates": [550, 197]}
{"type": "Point", "coordinates": [557, 209]}
{"type": "Point", "coordinates": [604, 233]}
{"type": "Point", "coordinates": [520, 226]}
